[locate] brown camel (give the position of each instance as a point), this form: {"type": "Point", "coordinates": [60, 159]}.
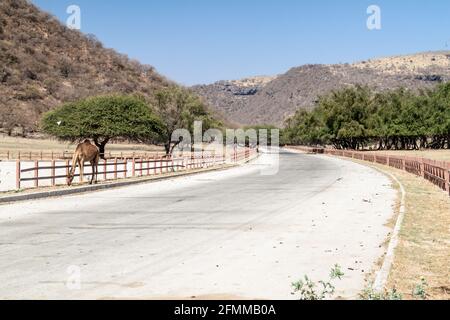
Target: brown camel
{"type": "Point", "coordinates": [84, 152]}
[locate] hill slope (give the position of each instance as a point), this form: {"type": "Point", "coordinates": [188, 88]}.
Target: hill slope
{"type": "Point", "coordinates": [43, 63]}
{"type": "Point", "coordinates": [273, 101]}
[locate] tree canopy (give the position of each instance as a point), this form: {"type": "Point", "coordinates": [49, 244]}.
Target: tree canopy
{"type": "Point", "coordinates": [104, 118]}
{"type": "Point", "coordinates": [179, 109]}
{"type": "Point", "coordinates": [358, 117]}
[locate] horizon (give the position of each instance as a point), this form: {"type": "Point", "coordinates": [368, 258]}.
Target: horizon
{"type": "Point", "coordinates": [202, 43]}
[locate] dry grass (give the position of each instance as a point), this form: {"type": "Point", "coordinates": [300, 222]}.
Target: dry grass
{"type": "Point", "coordinates": [442, 155]}
{"type": "Point", "coordinates": [424, 246]}
{"type": "Point", "coordinates": [27, 144]}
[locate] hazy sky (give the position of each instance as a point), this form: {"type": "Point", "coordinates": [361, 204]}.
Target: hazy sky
{"type": "Point", "coordinates": [202, 41]}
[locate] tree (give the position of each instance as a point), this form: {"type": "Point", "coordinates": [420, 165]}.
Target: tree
{"type": "Point", "coordinates": [179, 109]}
{"type": "Point", "coordinates": [104, 118]}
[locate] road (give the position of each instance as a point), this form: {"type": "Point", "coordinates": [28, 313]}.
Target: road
{"type": "Point", "coordinates": [230, 234]}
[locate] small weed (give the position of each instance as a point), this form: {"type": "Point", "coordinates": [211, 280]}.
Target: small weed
{"type": "Point", "coordinates": [419, 290]}
{"type": "Point", "coordinates": [370, 294]}
{"type": "Point", "coordinates": [307, 289]}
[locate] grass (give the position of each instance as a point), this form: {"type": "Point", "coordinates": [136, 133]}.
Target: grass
{"type": "Point", "coordinates": [424, 246]}
{"type": "Point", "coordinates": [442, 155]}
{"type": "Point", "coordinates": [16, 144]}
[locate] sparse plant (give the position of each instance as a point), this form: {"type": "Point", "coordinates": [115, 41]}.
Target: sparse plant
{"type": "Point", "coordinates": [419, 290]}
{"type": "Point", "coordinates": [309, 290]}
{"type": "Point", "coordinates": [370, 294]}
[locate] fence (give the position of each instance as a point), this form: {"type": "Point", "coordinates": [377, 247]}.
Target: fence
{"type": "Point", "coordinates": [63, 155]}
{"type": "Point", "coordinates": [437, 172]}
{"type": "Point", "coordinates": [45, 173]}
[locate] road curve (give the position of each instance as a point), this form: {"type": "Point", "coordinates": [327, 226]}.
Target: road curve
{"type": "Point", "coordinates": [231, 234]}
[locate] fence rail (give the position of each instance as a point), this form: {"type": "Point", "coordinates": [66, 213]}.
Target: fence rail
{"type": "Point", "coordinates": [67, 155]}
{"type": "Point", "coordinates": [437, 172]}
{"type": "Point", "coordinates": [44, 173]}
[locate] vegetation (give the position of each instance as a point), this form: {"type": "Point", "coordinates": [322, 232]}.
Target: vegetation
{"type": "Point", "coordinates": [307, 289]}
{"type": "Point", "coordinates": [179, 109]}
{"type": "Point", "coordinates": [104, 118]}
{"type": "Point", "coordinates": [357, 118]}
{"type": "Point", "coordinates": [257, 128]}
{"type": "Point", "coordinates": [44, 64]}
{"type": "Point", "coordinates": [370, 294]}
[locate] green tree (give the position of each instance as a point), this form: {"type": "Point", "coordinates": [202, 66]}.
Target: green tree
{"type": "Point", "coordinates": [179, 109]}
{"type": "Point", "coordinates": [104, 118]}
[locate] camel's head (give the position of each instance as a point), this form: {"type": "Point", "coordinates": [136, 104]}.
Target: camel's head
{"type": "Point", "coordinates": [70, 179]}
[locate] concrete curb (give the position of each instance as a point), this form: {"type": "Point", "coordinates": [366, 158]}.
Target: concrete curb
{"type": "Point", "coordinates": [98, 187]}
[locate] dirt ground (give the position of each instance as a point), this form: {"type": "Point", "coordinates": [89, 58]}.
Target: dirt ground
{"type": "Point", "coordinates": [442, 155]}
{"type": "Point", "coordinates": [16, 144]}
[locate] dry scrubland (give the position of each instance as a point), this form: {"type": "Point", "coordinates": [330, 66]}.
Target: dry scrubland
{"type": "Point", "coordinates": [441, 155]}
{"type": "Point", "coordinates": [27, 144]}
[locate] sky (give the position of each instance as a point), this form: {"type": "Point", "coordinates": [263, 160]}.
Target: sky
{"type": "Point", "coordinates": [203, 41]}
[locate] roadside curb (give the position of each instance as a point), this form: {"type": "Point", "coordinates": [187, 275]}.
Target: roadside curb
{"type": "Point", "coordinates": [99, 187]}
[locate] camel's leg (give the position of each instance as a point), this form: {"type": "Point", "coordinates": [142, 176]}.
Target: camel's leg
{"type": "Point", "coordinates": [74, 165]}
{"type": "Point", "coordinates": [93, 172]}
{"type": "Point", "coordinates": [81, 163]}
{"type": "Point", "coordinates": [97, 159]}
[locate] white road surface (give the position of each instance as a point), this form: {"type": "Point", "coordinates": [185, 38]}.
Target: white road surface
{"type": "Point", "coordinates": [230, 234]}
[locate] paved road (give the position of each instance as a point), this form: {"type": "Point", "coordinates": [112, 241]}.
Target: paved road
{"type": "Point", "coordinates": [233, 234]}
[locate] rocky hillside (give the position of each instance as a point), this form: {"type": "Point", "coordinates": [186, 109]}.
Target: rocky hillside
{"type": "Point", "coordinates": [270, 100]}
{"type": "Point", "coordinates": [43, 63]}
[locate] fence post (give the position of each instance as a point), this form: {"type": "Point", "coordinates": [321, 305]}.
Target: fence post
{"type": "Point", "coordinates": [105, 168]}
{"type": "Point", "coordinates": [67, 168]}
{"type": "Point", "coordinates": [115, 168]}
{"type": "Point", "coordinates": [133, 169]}
{"type": "Point", "coordinates": [141, 173]}
{"type": "Point", "coordinates": [447, 177]}
{"type": "Point", "coordinates": [422, 168]}
{"type": "Point", "coordinates": [36, 173]}
{"type": "Point", "coordinates": [18, 174]}
{"type": "Point", "coordinates": [53, 173]}
{"type": "Point", "coordinates": [148, 165]}
{"type": "Point", "coordinates": [125, 161]}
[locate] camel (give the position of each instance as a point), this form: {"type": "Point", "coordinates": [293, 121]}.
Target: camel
{"type": "Point", "coordinates": [84, 152]}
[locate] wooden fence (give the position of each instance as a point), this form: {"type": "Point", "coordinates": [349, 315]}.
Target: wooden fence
{"type": "Point", "coordinates": [54, 172]}
{"type": "Point", "coordinates": [63, 155]}
{"type": "Point", "coordinates": [437, 172]}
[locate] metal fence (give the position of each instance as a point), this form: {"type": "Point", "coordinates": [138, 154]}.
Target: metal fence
{"type": "Point", "coordinates": [437, 172]}
{"type": "Point", "coordinates": [46, 173]}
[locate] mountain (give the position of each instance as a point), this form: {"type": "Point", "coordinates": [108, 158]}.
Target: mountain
{"type": "Point", "coordinates": [270, 100]}
{"type": "Point", "coordinates": [43, 64]}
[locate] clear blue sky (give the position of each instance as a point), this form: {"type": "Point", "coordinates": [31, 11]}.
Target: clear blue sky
{"type": "Point", "coordinates": [202, 41]}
